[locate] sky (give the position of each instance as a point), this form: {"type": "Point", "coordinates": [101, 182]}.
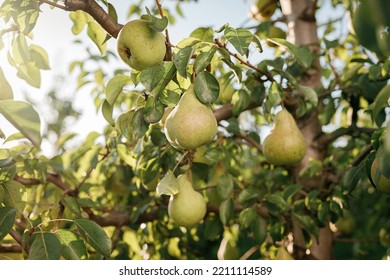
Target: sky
{"type": "Point", "coordinates": [53, 32]}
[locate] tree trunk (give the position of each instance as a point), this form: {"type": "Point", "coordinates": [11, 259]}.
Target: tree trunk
{"type": "Point", "coordinates": [302, 30]}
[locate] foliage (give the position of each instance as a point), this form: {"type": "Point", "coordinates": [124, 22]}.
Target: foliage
{"type": "Point", "coordinates": [106, 196]}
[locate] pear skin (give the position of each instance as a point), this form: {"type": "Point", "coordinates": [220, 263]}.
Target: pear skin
{"type": "Point", "coordinates": [140, 46]}
{"type": "Point", "coordinates": [191, 123]}
{"type": "Point", "coordinates": [285, 144]}
{"type": "Point", "coordinates": [188, 207]}
{"type": "Point", "coordinates": [381, 182]}
{"type": "Point", "coordinates": [283, 254]}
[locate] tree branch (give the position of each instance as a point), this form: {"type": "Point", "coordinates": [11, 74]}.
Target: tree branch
{"type": "Point", "coordinates": [16, 236]}
{"type": "Point", "coordinates": [53, 4]}
{"type": "Point", "coordinates": [246, 63]}
{"type": "Point", "coordinates": [10, 248]}
{"type": "Point", "coordinates": [97, 12]}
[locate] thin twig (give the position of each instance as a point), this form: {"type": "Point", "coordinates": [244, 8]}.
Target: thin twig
{"type": "Point", "coordinates": [246, 63]}
{"type": "Point", "coordinates": [250, 252]}
{"type": "Point", "coordinates": [169, 45]}
{"type": "Point", "coordinates": [53, 4]}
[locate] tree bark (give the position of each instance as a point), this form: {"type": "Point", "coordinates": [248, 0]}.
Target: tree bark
{"type": "Point", "coordinates": [302, 30]}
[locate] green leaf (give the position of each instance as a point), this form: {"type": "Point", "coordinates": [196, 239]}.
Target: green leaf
{"type": "Point", "coordinates": [7, 172]}
{"type": "Point", "coordinates": [381, 101]}
{"type": "Point", "coordinates": [240, 38]}
{"type": "Point", "coordinates": [45, 246]}
{"type": "Point", "coordinates": [275, 203]}
{"type": "Point", "coordinates": [206, 87]}
{"type": "Point", "coordinates": [115, 86]}
{"type": "Point", "coordinates": [14, 195]}
{"type": "Point", "coordinates": [72, 204]}
{"type": "Point", "coordinates": [352, 177]}
{"type": "Point", "coordinates": [7, 220]}
{"type": "Point", "coordinates": [181, 59]}
{"type": "Point", "coordinates": [107, 111]}
{"type": "Point", "coordinates": [205, 34]}
{"type": "Point", "coordinates": [310, 95]}
{"type": "Point", "coordinates": [20, 50]}
{"type": "Point", "coordinates": [25, 14]}
{"type": "Point", "coordinates": [246, 217]}
{"type": "Point", "coordinates": [241, 100]}
{"type": "Point", "coordinates": [157, 24]}
{"type": "Point", "coordinates": [5, 88]}
{"type": "Point", "coordinates": [302, 54]}
{"type": "Point", "coordinates": [73, 247]}
{"type": "Point", "coordinates": [156, 78]}
{"type": "Point", "coordinates": [168, 185]}
{"type": "Point", "coordinates": [226, 211]}
{"type": "Point", "coordinates": [112, 12]}
{"type": "Point", "coordinates": [154, 110]}
{"type": "Point", "coordinates": [291, 190]}
{"type": "Point", "coordinates": [97, 35]}
{"type": "Point", "coordinates": [204, 59]}
{"type": "Point", "coordinates": [39, 56]}
{"type": "Point", "coordinates": [259, 229]}
{"type": "Point", "coordinates": [94, 235]}
{"type": "Point", "coordinates": [79, 19]}
{"type": "Point", "coordinates": [225, 186]}
{"type": "Point", "coordinates": [275, 95]}
{"type": "Point", "coordinates": [132, 124]}
{"type": "Point", "coordinates": [30, 73]}
{"type": "Point", "coordinates": [23, 116]}
{"type": "Point", "coordinates": [308, 223]}
{"type": "Point", "coordinates": [213, 229]}
{"type": "Point", "coordinates": [248, 194]}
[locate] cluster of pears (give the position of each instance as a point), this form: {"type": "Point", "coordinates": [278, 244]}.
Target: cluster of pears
{"type": "Point", "coordinates": [285, 144]}
{"type": "Point", "coordinates": [191, 123]}
{"type": "Point", "coordinates": [139, 45]}
{"type": "Point", "coordinates": [188, 207]}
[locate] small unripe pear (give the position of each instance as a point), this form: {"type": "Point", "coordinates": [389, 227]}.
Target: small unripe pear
{"type": "Point", "coordinates": [283, 254]}
{"type": "Point", "coordinates": [381, 182]}
{"type": "Point", "coordinates": [188, 207]}
{"type": "Point", "coordinates": [285, 144]}
{"type": "Point", "coordinates": [262, 10]}
{"type": "Point", "coordinates": [139, 45]}
{"type": "Point", "coordinates": [191, 123]}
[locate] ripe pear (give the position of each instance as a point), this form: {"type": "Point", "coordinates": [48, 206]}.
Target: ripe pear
{"type": "Point", "coordinates": [285, 144]}
{"type": "Point", "coordinates": [381, 182]}
{"type": "Point", "coordinates": [140, 46]}
{"type": "Point", "coordinates": [191, 123]}
{"type": "Point", "coordinates": [283, 254]}
{"type": "Point", "coordinates": [188, 207]}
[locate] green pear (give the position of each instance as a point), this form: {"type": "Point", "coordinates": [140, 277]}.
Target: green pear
{"type": "Point", "coordinates": [140, 46]}
{"type": "Point", "coordinates": [283, 254]}
{"type": "Point", "coordinates": [226, 91]}
{"type": "Point", "coordinates": [347, 223]}
{"type": "Point", "coordinates": [381, 182]}
{"type": "Point", "coordinates": [384, 237]}
{"type": "Point", "coordinates": [228, 249]}
{"type": "Point", "coordinates": [285, 144]}
{"type": "Point", "coordinates": [188, 207]}
{"type": "Point", "coordinates": [262, 10]}
{"type": "Point", "coordinates": [191, 123]}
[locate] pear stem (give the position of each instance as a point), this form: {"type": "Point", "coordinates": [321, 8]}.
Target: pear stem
{"type": "Point", "coordinates": [169, 45]}
{"type": "Point", "coordinates": [180, 160]}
